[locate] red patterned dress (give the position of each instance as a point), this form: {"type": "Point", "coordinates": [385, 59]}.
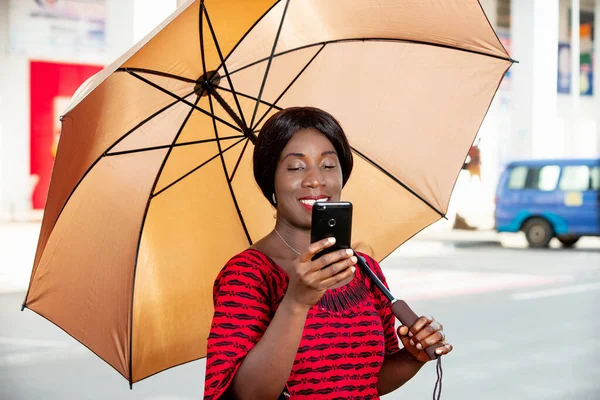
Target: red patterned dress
{"type": "Point", "coordinates": [346, 335]}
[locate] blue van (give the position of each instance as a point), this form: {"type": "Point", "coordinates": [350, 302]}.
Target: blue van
{"type": "Point", "coordinates": [550, 198]}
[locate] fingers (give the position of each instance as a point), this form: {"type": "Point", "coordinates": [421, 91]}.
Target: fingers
{"type": "Point", "coordinates": [345, 273]}
{"type": "Point", "coordinates": [419, 324]}
{"type": "Point", "coordinates": [402, 330]}
{"type": "Point", "coordinates": [445, 349]}
{"type": "Point", "coordinates": [426, 332]}
{"type": "Point", "coordinates": [437, 336]}
{"type": "Point", "coordinates": [341, 260]}
{"type": "Point", "coordinates": [331, 258]}
{"type": "Point", "coordinates": [316, 247]}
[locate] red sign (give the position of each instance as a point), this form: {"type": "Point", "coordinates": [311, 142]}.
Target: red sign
{"type": "Point", "coordinates": [51, 88]}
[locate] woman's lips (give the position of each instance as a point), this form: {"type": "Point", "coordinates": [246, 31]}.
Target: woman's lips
{"type": "Point", "coordinates": [309, 202]}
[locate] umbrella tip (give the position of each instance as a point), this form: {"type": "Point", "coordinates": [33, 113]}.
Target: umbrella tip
{"type": "Point", "coordinates": [207, 81]}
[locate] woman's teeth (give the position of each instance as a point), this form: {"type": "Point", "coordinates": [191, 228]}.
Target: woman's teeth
{"type": "Point", "coordinates": [312, 202]}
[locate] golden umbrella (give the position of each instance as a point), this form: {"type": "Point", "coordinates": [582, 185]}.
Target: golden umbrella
{"type": "Point", "coordinates": [152, 189]}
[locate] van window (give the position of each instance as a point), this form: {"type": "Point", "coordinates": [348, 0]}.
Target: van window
{"type": "Point", "coordinates": [517, 178]}
{"type": "Point", "coordinates": [547, 178]}
{"type": "Point", "coordinates": [576, 178]}
{"type": "Point", "coordinates": [540, 178]}
{"type": "Point", "coordinates": [595, 178]}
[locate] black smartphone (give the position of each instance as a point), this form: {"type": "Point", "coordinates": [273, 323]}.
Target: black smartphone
{"type": "Point", "coordinates": [331, 219]}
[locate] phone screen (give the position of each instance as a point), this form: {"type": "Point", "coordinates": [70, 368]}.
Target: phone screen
{"type": "Point", "coordinates": [331, 219]}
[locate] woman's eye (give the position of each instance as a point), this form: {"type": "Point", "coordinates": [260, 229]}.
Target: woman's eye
{"type": "Point", "coordinates": [329, 166]}
{"type": "Point", "coordinates": [295, 168]}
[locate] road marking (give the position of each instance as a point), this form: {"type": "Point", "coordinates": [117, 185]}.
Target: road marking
{"type": "Point", "coordinates": [586, 287]}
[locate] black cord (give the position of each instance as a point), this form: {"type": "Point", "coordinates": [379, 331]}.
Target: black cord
{"type": "Point", "coordinates": [438, 382]}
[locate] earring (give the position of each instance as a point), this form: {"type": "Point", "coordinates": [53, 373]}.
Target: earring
{"type": "Point", "coordinates": [274, 198]}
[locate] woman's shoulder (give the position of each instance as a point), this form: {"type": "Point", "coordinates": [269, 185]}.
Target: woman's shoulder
{"type": "Point", "coordinates": [249, 264]}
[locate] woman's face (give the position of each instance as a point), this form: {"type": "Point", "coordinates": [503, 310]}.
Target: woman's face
{"type": "Point", "coordinates": [308, 170]}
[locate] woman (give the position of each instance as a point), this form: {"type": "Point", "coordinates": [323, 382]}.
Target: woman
{"type": "Point", "coordinates": [285, 326]}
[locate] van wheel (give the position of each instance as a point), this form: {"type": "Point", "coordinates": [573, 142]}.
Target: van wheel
{"type": "Point", "coordinates": [568, 241]}
{"type": "Point", "coordinates": [538, 232]}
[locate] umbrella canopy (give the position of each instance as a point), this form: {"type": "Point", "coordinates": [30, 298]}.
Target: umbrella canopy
{"type": "Point", "coordinates": [152, 190]}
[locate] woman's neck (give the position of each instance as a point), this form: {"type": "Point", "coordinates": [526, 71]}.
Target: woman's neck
{"type": "Point", "coordinates": [298, 239]}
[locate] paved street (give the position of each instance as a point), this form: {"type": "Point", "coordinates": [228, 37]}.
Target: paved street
{"type": "Point", "coordinates": [524, 324]}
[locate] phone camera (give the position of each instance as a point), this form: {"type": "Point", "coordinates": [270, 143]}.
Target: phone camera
{"type": "Point", "coordinates": [332, 222]}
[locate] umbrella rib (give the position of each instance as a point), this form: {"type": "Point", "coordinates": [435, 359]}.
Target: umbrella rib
{"type": "Point", "coordinates": [258, 20]}
{"type": "Point", "coordinates": [181, 99]}
{"type": "Point", "coordinates": [289, 86]}
{"type": "Point", "coordinates": [231, 191]}
{"type": "Point", "coordinates": [399, 182]}
{"type": "Point", "coordinates": [196, 168]}
{"type": "Point", "coordinates": [143, 122]}
{"type": "Point", "coordinates": [490, 104]}
{"type": "Point", "coordinates": [248, 97]}
{"type": "Point", "coordinates": [237, 164]}
{"type": "Point", "coordinates": [96, 162]}
{"type": "Point", "coordinates": [201, 35]}
{"type": "Point", "coordinates": [77, 340]}
{"type": "Point", "coordinates": [262, 86]}
{"type": "Point", "coordinates": [171, 146]}
{"type": "Point", "coordinates": [158, 73]}
{"type": "Point", "coordinates": [214, 36]}
{"type": "Point", "coordinates": [139, 241]}
{"type": "Point", "coordinates": [408, 41]}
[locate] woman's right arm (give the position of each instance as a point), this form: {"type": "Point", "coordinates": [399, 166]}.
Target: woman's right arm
{"type": "Point", "coordinates": [266, 368]}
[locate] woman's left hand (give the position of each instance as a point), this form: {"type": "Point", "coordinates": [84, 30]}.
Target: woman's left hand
{"type": "Point", "coordinates": [425, 332]}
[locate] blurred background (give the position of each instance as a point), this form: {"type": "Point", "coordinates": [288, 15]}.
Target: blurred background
{"type": "Point", "coordinates": [513, 273]}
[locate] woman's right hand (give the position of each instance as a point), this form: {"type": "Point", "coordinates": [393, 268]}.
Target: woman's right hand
{"type": "Point", "coordinates": [309, 279]}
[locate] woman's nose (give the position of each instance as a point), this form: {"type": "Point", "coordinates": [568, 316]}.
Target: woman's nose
{"type": "Point", "coordinates": [313, 178]}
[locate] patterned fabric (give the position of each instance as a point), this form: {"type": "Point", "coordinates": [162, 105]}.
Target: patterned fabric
{"type": "Point", "coordinates": [345, 338]}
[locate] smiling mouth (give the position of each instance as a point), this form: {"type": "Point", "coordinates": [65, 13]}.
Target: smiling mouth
{"type": "Point", "coordinates": [311, 202]}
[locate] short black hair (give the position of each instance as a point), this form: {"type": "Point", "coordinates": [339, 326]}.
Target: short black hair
{"type": "Point", "coordinates": [278, 130]}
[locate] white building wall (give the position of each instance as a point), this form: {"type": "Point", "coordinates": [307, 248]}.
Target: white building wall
{"type": "Point", "coordinates": [579, 138]}
{"type": "Point", "coordinates": [126, 22]}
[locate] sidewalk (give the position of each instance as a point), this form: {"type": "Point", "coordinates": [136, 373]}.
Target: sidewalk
{"type": "Point", "coordinates": [18, 242]}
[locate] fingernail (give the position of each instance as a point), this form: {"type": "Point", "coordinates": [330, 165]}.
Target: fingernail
{"type": "Point", "coordinates": [353, 259]}
{"type": "Point", "coordinates": [419, 346]}
{"type": "Point", "coordinates": [412, 343]}
{"type": "Point", "coordinates": [331, 239]}
{"type": "Point", "coordinates": [438, 351]}
{"type": "Point", "coordinates": [349, 252]}
{"type": "Point", "coordinates": [410, 334]}
{"type": "Point", "coordinates": [353, 269]}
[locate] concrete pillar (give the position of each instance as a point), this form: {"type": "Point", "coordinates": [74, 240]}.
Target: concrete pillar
{"type": "Point", "coordinates": [534, 32]}
{"type": "Point", "coordinates": [15, 185]}
{"type": "Point", "coordinates": [572, 133]}
{"type": "Point", "coordinates": [596, 64]}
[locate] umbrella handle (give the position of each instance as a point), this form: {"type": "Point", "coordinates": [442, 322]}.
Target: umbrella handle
{"type": "Point", "coordinates": [407, 317]}
{"type": "Point", "coordinates": [399, 307]}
